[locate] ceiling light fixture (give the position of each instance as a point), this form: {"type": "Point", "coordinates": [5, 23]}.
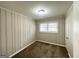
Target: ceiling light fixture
{"type": "Point", "coordinates": [41, 12]}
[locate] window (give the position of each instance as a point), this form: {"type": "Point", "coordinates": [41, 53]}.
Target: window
{"type": "Point", "coordinates": [48, 27]}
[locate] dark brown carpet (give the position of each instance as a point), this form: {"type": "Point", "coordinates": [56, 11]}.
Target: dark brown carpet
{"type": "Point", "coordinates": [43, 50]}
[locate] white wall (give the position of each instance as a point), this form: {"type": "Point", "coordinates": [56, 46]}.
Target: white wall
{"type": "Point", "coordinates": [57, 38]}
{"type": "Point", "coordinates": [69, 31]}
{"type": "Point", "coordinates": [16, 31]}
{"type": "Point", "coordinates": [72, 30]}
{"type": "Point", "coordinates": [76, 29]}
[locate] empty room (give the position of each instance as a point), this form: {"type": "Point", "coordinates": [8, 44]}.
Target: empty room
{"type": "Point", "coordinates": [39, 29]}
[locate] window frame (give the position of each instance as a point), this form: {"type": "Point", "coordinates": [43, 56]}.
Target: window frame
{"type": "Point", "coordinates": [49, 27]}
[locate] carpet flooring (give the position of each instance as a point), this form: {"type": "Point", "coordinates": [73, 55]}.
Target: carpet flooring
{"type": "Point", "coordinates": [43, 50]}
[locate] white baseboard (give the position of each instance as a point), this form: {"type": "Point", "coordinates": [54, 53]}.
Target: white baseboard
{"type": "Point", "coordinates": [69, 55]}
{"type": "Point", "coordinates": [52, 43]}
{"type": "Point", "coordinates": [21, 49]}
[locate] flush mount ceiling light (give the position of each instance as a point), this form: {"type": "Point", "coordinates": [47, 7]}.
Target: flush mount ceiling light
{"type": "Point", "coordinates": [41, 11]}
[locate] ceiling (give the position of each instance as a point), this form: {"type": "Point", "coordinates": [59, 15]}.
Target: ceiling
{"type": "Point", "coordinates": [27, 8]}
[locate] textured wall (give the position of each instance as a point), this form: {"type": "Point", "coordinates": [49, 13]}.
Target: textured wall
{"type": "Point", "coordinates": [16, 31]}
{"type": "Point", "coordinates": [57, 38]}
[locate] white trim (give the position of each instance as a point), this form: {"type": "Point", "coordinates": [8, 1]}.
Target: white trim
{"type": "Point", "coordinates": [52, 43]}
{"type": "Point", "coordinates": [21, 49]}
{"type": "Point", "coordinates": [69, 55]}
